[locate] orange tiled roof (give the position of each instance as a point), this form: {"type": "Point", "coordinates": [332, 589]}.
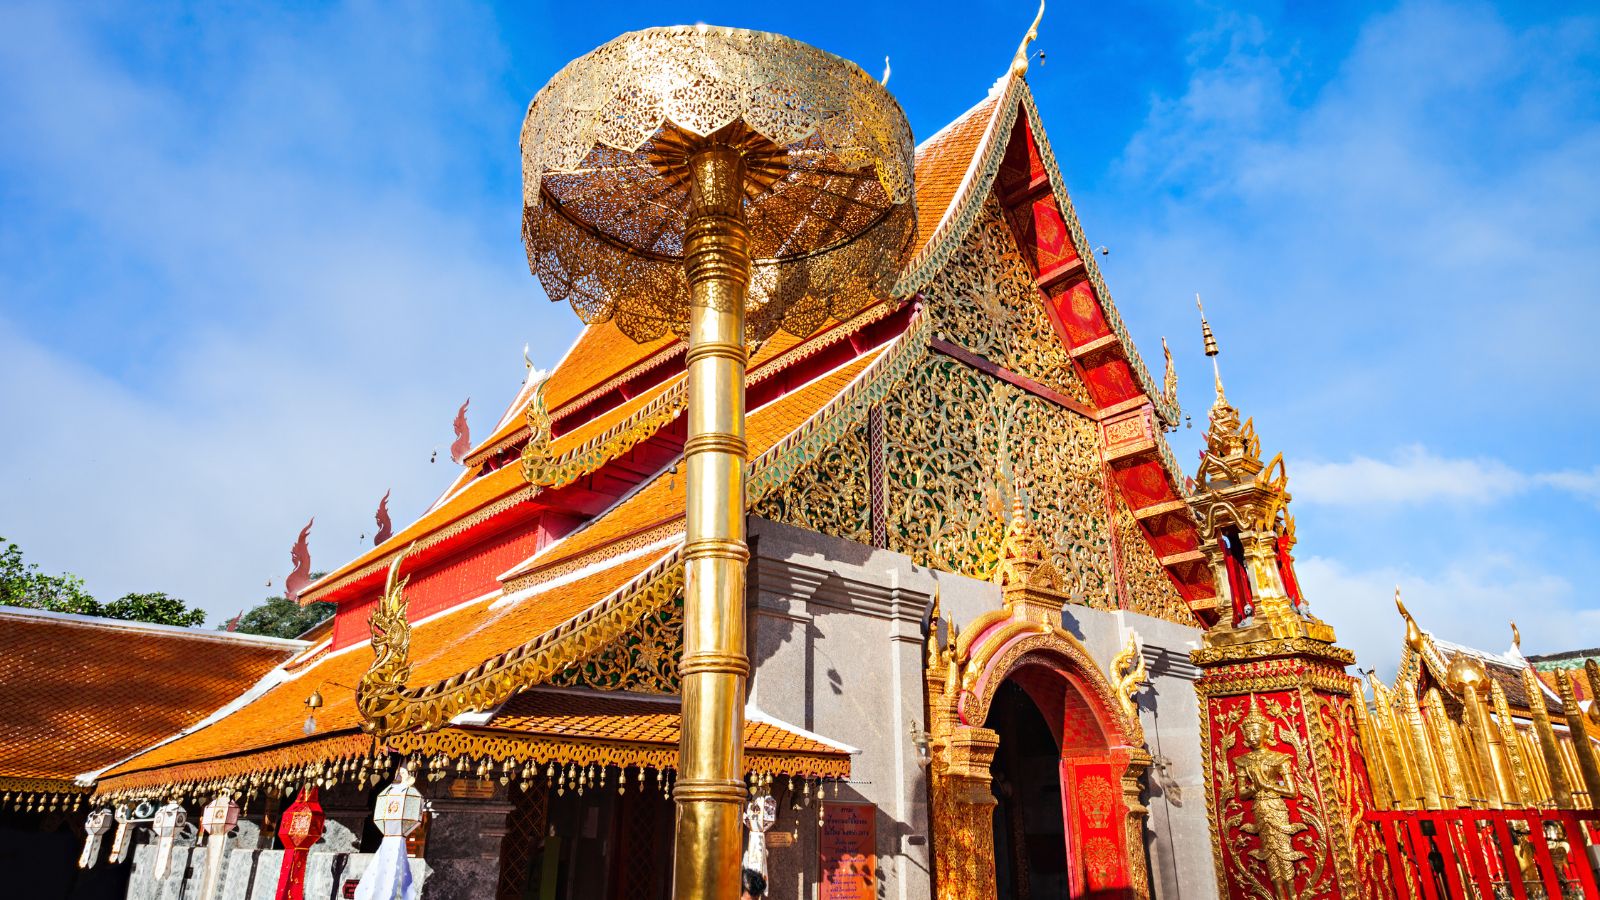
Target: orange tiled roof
{"type": "Point", "coordinates": [440, 646]}
{"type": "Point", "coordinates": [78, 693]}
{"type": "Point", "coordinates": [942, 163]}
{"type": "Point", "coordinates": [661, 501]}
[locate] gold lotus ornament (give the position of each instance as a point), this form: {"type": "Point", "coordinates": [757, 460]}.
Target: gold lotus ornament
{"type": "Point", "coordinates": [718, 184]}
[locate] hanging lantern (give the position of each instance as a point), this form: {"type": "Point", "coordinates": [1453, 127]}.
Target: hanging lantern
{"type": "Point", "coordinates": [300, 827]}
{"type": "Point", "coordinates": [760, 814]}
{"type": "Point", "coordinates": [399, 809]}
{"type": "Point", "coordinates": [95, 828]}
{"type": "Point", "coordinates": [168, 820]}
{"type": "Point", "coordinates": [398, 813]}
{"type": "Point", "coordinates": [216, 820]}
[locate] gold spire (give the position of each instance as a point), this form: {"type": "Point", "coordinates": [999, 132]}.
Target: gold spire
{"type": "Point", "coordinates": [1211, 350]}
{"type": "Point", "coordinates": [1019, 63]}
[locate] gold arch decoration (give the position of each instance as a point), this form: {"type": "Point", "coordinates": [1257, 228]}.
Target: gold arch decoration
{"type": "Point", "coordinates": [965, 671]}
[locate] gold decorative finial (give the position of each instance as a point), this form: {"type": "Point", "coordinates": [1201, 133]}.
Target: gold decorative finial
{"type": "Point", "coordinates": [1019, 63]}
{"type": "Point", "coordinates": [885, 79]}
{"type": "Point", "coordinates": [1212, 349]}
{"type": "Point", "coordinates": [1413, 632]}
{"type": "Point", "coordinates": [1169, 381]}
{"type": "Point", "coordinates": [1516, 636]}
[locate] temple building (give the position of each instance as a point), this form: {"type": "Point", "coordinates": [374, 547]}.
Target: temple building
{"type": "Point", "coordinates": [982, 455]}
{"type": "Point", "coordinates": [1461, 727]}
{"type": "Point", "coordinates": [999, 643]}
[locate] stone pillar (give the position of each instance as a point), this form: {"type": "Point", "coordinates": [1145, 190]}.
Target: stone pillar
{"type": "Point", "coordinates": [1287, 789]}
{"type": "Point", "coordinates": [463, 850]}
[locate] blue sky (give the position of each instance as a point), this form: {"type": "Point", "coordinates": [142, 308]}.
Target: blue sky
{"type": "Point", "coordinates": [253, 257]}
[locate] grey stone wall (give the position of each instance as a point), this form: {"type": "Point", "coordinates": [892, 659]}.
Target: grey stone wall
{"type": "Point", "coordinates": [835, 636]}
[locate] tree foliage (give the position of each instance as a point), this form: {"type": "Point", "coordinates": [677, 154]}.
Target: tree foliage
{"type": "Point", "coordinates": [22, 584]}
{"type": "Point", "coordinates": [277, 617]}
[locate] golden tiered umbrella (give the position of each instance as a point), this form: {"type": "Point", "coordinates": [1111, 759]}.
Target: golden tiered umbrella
{"type": "Point", "coordinates": [720, 184]}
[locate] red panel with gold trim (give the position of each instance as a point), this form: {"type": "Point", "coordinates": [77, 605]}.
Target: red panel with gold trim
{"type": "Point", "coordinates": [1097, 857]}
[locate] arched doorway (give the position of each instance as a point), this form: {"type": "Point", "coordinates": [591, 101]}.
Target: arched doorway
{"type": "Point", "coordinates": [1036, 757]}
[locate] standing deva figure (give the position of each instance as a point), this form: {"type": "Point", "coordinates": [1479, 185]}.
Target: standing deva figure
{"type": "Point", "coordinates": [1265, 780]}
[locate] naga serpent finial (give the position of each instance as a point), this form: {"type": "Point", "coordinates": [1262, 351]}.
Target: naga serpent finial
{"type": "Point", "coordinates": [378, 694]}
{"type": "Point", "coordinates": [1019, 63]}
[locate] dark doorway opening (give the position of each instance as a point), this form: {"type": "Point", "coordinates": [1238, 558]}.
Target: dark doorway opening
{"type": "Point", "coordinates": [1030, 841]}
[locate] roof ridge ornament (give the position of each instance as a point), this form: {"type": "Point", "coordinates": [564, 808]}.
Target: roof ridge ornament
{"type": "Point", "coordinates": [1019, 63]}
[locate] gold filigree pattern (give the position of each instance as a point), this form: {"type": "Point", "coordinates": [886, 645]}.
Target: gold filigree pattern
{"type": "Point", "coordinates": [829, 495]}
{"type": "Point", "coordinates": [483, 749]}
{"type": "Point", "coordinates": [1150, 589]}
{"type": "Point", "coordinates": [959, 443]}
{"type": "Point", "coordinates": [644, 660]}
{"type": "Point", "coordinates": [986, 301]}
{"type": "Point", "coordinates": [829, 197]}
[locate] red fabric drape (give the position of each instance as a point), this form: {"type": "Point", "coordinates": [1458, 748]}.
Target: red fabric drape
{"type": "Point", "coordinates": [301, 826]}
{"type": "Point", "coordinates": [1286, 570]}
{"type": "Point", "coordinates": [1238, 580]}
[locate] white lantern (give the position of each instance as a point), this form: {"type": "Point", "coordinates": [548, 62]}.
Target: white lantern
{"type": "Point", "coordinates": [399, 808]}
{"type": "Point", "coordinates": [168, 821]}
{"type": "Point", "coordinates": [760, 814]}
{"type": "Point", "coordinates": [216, 820]}
{"type": "Point", "coordinates": [95, 828]}
{"type": "Point", "coordinates": [398, 813]}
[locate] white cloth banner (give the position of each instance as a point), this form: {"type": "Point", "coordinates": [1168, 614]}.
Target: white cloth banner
{"type": "Point", "coordinates": [388, 876]}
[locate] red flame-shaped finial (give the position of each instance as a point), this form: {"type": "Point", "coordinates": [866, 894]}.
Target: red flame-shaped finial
{"type": "Point", "coordinates": [300, 555]}
{"type": "Point", "coordinates": [463, 442]}
{"type": "Point", "coordinates": [385, 527]}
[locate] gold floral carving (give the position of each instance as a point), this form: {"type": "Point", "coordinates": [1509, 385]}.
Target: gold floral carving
{"type": "Point", "coordinates": [645, 659]}
{"type": "Point", "coordinates": [986, 301]}
{"type": "Point", "coordinates": [829, 495]}
{"type": "Point", "coordinates": [1096, 798]}
{"type": "Point", "coordinates": [960, 444]}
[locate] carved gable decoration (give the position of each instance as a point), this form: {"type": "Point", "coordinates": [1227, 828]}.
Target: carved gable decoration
{"type": "Point", "coordinates": [1024, 564]}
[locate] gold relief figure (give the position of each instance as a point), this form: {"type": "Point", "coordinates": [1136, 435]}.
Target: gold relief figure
{"type": "Point", "coordinates": [1264, 779]}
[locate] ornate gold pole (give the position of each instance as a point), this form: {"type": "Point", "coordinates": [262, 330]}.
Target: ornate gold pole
{"type": "Point", "coordinates": [1452, 774]}
{"type": "Point", "coordinates": [1427, 770]}
{"type": "Point", "coordinates": [1560, 790]}
{"type": "Point", "coordinates": [1588, 765]}
{"type": "Point", "coordinates": [709, 790]}
{"type": "Point", "coordinates": [1522, 786]}
{"type": "Point", "coordinates": [1492, 765]}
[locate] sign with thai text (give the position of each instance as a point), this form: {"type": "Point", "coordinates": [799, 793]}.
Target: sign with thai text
{"type": "Point", "coordinates": [848, 840]}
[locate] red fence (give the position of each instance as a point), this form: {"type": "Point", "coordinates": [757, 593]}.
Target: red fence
{"type": "Point", "coordinates": [1472, 854]}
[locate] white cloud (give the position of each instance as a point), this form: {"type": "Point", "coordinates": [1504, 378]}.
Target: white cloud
{"type": "Point", "coordinates": [1416, 476]}
{"type": "Point", "coordinates": [1469, 600]}
{"type": "Point", "coordinates": [228, 306]}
